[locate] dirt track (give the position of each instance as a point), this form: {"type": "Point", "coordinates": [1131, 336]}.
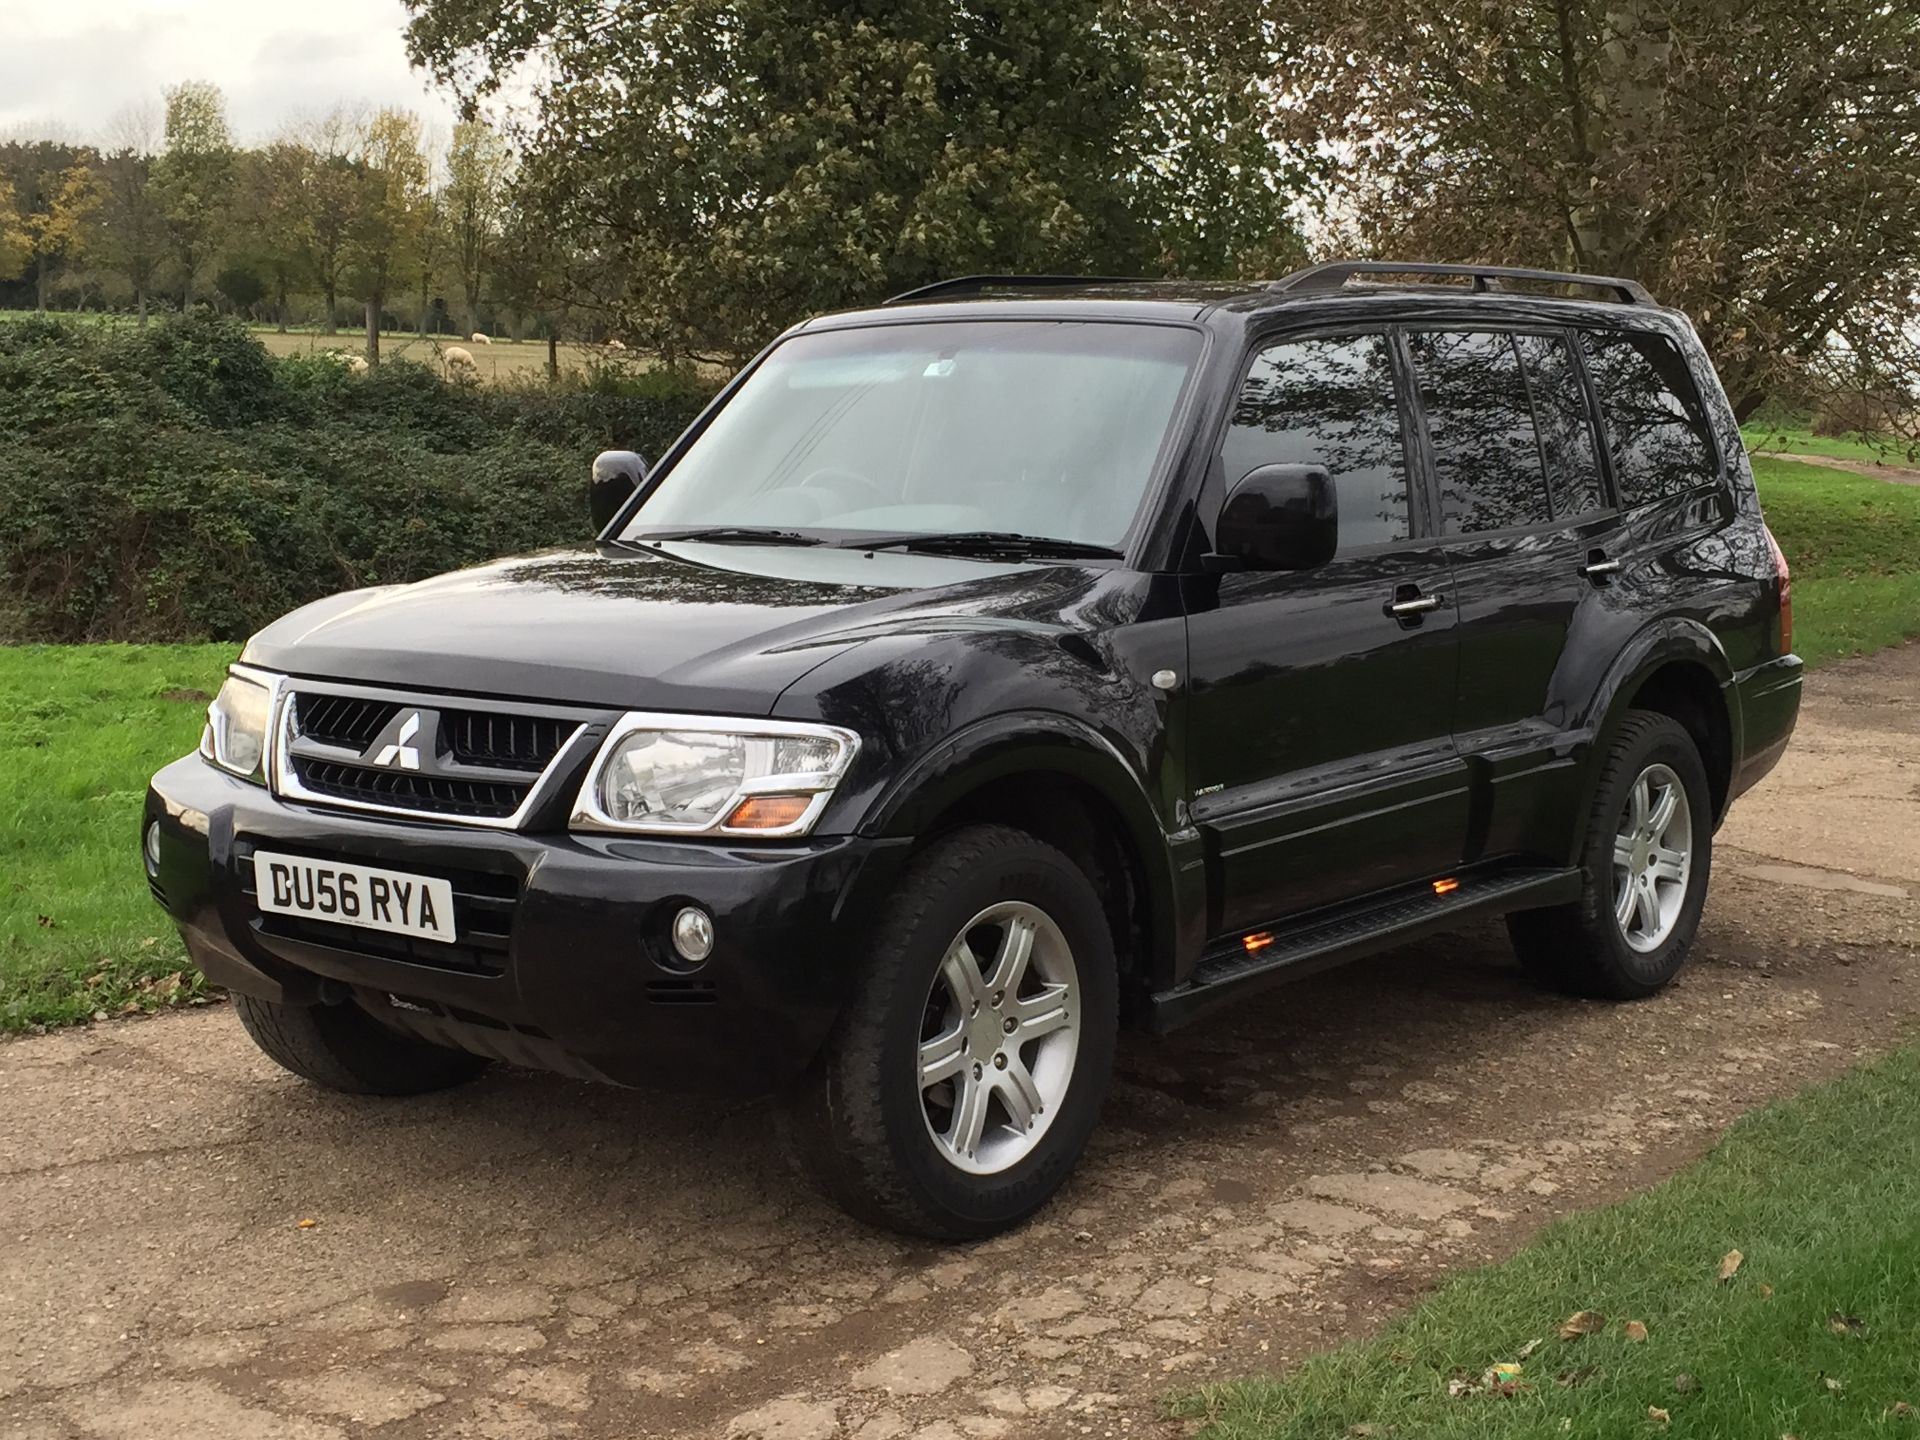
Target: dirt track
{"type": "Point", "coordinates": [532, 1257]}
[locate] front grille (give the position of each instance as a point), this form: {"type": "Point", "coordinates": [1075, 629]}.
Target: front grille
{"type": "Point", "coordinates": [483, 909]}
{"type": "Point", "coordinates": [399, 790]}
{"type": "Point", "coordinates": [349, 721]}
{"type": "Point", "coordinates": [473, 763]}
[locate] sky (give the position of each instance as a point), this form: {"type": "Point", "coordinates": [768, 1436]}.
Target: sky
{"type": "Point", "coordinates": [69, 67]}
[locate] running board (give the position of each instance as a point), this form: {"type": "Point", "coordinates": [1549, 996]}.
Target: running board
{"type": "Point", "coordinates": [1247, 962]}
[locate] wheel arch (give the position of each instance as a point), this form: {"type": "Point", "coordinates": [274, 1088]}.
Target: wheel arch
{"type": "Point", "coordinates": [1679, 669]}
{"type": "Point", "coordinates": [1069, 786]}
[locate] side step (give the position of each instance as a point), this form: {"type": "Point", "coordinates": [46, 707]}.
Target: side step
{"type": "Point", "coordinates": [1248, 962]}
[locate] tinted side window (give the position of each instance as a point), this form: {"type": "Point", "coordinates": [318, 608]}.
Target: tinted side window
{"type": "Point", "coordinates": [1656, 426]}
{"type": "Point", "coordinates": [1486, 456]}
{"type": "Point", "coordinates": [1328, 402]}
{"type": "Point", "coordinates": [1566, 429]}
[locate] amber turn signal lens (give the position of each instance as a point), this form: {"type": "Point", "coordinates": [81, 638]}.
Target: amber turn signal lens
{"type": "Point", "coordinates": [768, 812]}
{"type": "Point", "coordinates": [1258, 942]}
{"type": "Point", "coordinates": [1445, 887]}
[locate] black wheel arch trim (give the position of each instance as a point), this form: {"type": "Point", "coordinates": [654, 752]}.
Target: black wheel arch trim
{"type": "Point", "coordinates": [1050, 743]}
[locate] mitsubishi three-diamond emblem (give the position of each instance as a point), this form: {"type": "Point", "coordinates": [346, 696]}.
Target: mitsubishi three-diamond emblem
{"type": "Point", "coordinates": [399, 750]}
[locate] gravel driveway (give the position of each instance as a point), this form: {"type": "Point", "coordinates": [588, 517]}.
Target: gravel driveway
{"type": "Point", "coordinates": [197, 1245]}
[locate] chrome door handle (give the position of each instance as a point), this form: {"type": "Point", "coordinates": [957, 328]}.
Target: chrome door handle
{"type": "Point", "coordinates": [1601, 567]}
{"type": "Point", "coordinates": [1418, 606]}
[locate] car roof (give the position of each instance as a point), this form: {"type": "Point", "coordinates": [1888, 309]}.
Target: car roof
{"type": "Point", "coordinates": [1364, 285]}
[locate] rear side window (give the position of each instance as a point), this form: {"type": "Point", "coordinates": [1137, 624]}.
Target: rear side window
{"type": "Point", "coordinates": [1657, 429]}
{"type": "Point", "coordinates": [1328, 402]}
{"type": "Point", "coordinates": [1486, 456]}
{"type": "Point", "coordinates": [1566, 428]}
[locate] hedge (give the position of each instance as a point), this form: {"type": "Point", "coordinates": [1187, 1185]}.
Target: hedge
{"type": "Point", "coordinates": [179, 483]}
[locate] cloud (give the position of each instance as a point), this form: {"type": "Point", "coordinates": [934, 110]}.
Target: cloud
{"type": "Point", "coordinates": [68, 66]}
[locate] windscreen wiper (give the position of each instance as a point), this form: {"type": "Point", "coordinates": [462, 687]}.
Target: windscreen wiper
{"type": "Point", "coordinates": [988, 542]}
{"type": "Point", "coordinates": [734, 535]}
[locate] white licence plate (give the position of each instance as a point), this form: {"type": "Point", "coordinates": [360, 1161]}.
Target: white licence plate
{"type": "Point", "coordinates": [360, 895]}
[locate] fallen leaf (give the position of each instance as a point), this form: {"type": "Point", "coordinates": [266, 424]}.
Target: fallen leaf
{"type": "Point", "coordinates": [308, 1224]}
{"type": "Point", "coordinates": [1836, 1386]}
{"type": "Point", "coordinates": [1582, 1322]}
{"type": "Point", "coordinates": [46, 922]}
{"type": "Point", "coordinates": [1845, 1324]}
{"type": "Point", "coordinates": [1729, 1263]}
{"type": "Point", "coordinates": [1527, 1349]}
{"type": "Point", "coordinates": [1456, 1388]}
{"type": "Point", "coordinates": [1657, 1415]}
{"type": "Point", "coordinates": [1685, 1384]}
{"type": "Point", "coordinates": [1635, 1331]}
{"type": "Point", "coordinates": [1766, 1292]}
{"type": "Point", "coordinates": [1901, 1410]}
{"type": "Point", "coordinates": [1567, 1379]}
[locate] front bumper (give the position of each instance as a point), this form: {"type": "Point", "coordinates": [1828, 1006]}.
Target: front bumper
{"type": "Point", "coordinates": [569, 967]}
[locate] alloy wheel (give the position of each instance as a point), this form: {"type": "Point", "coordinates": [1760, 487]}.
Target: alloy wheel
{"type": "Point", "coordinates": [998, 1038]}
{"type": "Point", "coordinates": [1652, 858]}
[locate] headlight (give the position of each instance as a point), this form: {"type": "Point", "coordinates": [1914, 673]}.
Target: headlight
{"type": "Point", "coordinates": [690, 775]}
{"type": "Point", "coordinates": [236, 735]}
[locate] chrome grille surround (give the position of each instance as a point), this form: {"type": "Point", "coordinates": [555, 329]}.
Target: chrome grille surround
{"type": "Point", "coordinates": [453, 791]}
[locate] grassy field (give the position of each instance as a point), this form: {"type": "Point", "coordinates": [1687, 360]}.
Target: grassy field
{"type": "Point", "coordinates": [1853, 544]}
{"type": "Point", "coordinates": [1816, 1333]}
{"type": "Point", "coordinates": [1797, 439]}
{"type": "Point", "coordinates": [81, 729]}
{"type": "Point", "coordinates": [498, 362]}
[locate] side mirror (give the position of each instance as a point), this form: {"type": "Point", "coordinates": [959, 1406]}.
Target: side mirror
{"type": "Point", "coordinates": [616, 475]}
{"type": "Point", "coordinates": [1279, 517]}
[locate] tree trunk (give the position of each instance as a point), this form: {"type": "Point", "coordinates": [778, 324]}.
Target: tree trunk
{"type": "Point", "coordinates": [553, 355]}
{"type": "Point", "coordinates": [331, 325]}
{"type": "Point", "coordinates": [140, 297]}
{"type": "Point", "coordinates": [473, 309]}
{"type": "Point", "coordinates": [40, 286]}
{"type": "Point", "coordinates": [373, 332]}
{"type": "Point", "coordinates": [1629, 109]}
{"type": "Point", "coordinates": [280, 307]}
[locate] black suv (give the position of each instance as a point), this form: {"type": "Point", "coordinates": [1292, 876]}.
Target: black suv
{"type": "Point", "coordinates": [1001, 665]}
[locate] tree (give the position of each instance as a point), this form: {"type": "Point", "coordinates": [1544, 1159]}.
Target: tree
{"type": "Point", "coordinates": [330, 203]}
{"type": "Point", "coordinates": [275, 184]}
{"type": "Point", "coordinates": [15, 246]}
{"type": "Point", "coordinates": [131, 236]}
{"type": "Point", "coordinates": [50, 201]}
{"type": "Point", "coordinates": [59, 231]}
{"type": "Point", "coordinates": [475, 197]}
{"type": "Point", "coordinates": [735, 166]}
{"type": "Point", "coordinates": [1758, 165]}
{"type": "Point", "coordinates": [193, 177]}
{"type": "Point", "coordinates": [385, 231]}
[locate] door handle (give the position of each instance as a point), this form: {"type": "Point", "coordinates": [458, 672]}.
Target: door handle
{"type": "Point", "coordinates": [1598, 566]}
{"type": "Point", "coordinates": [1419, 605]}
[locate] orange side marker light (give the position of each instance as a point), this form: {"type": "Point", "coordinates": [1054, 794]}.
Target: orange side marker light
{"type": "Point", "coordinates": [1446, 886]}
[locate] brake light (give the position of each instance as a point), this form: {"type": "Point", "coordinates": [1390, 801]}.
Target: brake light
{"type": "Point", "coordinates": [1786, 593]}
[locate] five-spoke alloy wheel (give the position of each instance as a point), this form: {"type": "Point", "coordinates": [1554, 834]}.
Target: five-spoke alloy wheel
{"type": "Point", "coordinates": [1652, 858]}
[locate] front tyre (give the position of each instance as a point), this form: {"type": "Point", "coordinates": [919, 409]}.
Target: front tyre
{"type": "Point", "coordinates": [343, 1048]}
{"type": "Point", "coordinates": [1646, 856]}
{"type": "Point", "coordinates": [963, 1080]}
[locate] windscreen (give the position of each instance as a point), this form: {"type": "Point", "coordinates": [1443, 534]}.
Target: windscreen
{"type": "Point", "coordinates": [1039, 427]}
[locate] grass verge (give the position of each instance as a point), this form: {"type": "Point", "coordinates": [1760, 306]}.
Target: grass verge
{"type": "Point", "coordinates": [1854, 545]}
{"type": "Point", "coordinates": [81, 729]}
{"type": "Point", "coordinates": [1815, 1335]}
{"type": "Point", "coordinates": [1799, 440]}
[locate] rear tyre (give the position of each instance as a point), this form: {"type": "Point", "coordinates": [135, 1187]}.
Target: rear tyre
{"type": "Point", "coordinates": [1646, 856]}
{"type": "Point", "coordinates": [343, 1048]}
{"type": "Point", "coordinates": [965, 1076]}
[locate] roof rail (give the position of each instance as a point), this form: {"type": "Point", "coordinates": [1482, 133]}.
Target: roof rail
{"type": "Point", "coordinates": [1317, 279]}
{"type": "Point", "coordinates": [973, 284]}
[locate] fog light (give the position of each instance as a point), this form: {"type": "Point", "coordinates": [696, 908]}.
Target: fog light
{"type": "Point", "coordinates": [152, 847]}
{"type": "Point", "coordinates": [693, 934]}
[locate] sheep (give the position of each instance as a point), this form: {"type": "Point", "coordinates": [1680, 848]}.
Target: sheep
{"type": "Point", "coordinates": [356, 364]}
{"type": "Point", "coordinates": [460, 363]}
{"type": "Point", "coordinates": [479, 339]}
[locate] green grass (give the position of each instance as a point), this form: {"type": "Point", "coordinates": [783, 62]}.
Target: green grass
{"type": "Point", "coordinates": [1794, 437]}
{"type": "Point", "coordinates": [81, 729]}
{"type": "Point", "coordinates": [1853, 543]}
{"type": "Point", "coordinates": [1822, 1196]}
